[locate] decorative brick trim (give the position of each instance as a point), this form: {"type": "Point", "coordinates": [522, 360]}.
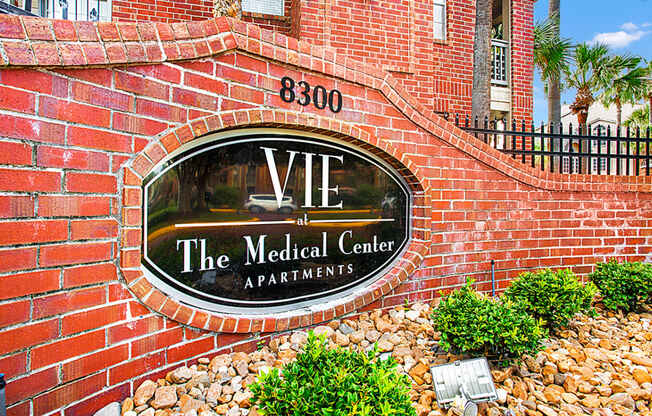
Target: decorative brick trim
{"type": "Point", "coordinates": [158, 150]}
{"type": "Point", "coordinates": [45, 44]}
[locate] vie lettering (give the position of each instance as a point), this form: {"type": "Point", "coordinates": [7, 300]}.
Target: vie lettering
{"type": "Point", "coordinates": [279, 191]}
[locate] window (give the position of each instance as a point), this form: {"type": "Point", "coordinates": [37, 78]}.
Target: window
{"type": "Point", "coordinates": [273, 7]}
{"type": "Point", "coordinates": [439, 19]}
{"type": "Point", "coordinates": [90, 10]}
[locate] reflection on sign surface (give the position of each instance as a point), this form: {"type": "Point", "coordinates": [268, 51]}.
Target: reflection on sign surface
{"type": "Point", "coordinates": [271, 221]}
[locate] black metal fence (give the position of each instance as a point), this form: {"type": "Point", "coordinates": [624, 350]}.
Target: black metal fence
{"type": "Point", "coordinates": [595, 149]}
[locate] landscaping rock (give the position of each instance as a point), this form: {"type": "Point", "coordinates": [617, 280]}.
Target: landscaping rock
{"type": "Point", "coordinates": [111, 409]}
{"type": "Point", "coordinates": [596, 366]}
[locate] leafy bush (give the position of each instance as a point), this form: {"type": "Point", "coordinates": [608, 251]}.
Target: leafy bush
{"type": "Point", "coordinates": [623, 285]}
{"type": "Point", "coordinates": [226, 196]}
{"type": "Point", "coordinates": [333, 382]}
{"type": "Point", "coordinates": [556, 297]}
{"type": "Point", "coordinates": [471, 323]}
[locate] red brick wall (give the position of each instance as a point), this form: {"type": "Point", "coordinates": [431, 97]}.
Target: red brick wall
{"type": "Point", "coordinates": [79, 327]}
{"type": "Point", "coordinates": [161, 11]}
{"type": "Point", "coordinates": [395, 36]}
{"type": "Point", "coordinates": [522, 68]}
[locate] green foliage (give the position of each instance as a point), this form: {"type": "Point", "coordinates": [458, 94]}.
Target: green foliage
{"type": "Point", "coordinates": [623, 285]}
{"type": "Point", "coordinates": [335, 382]}
{"type": "Point", "coordinates": [228, 196]}
{"type": "Point", "coordinates": [161, 216]}
{"type": "Point", "coordinates": [554, 297]}
{"type": "Point", "coordinates": [471, 323]}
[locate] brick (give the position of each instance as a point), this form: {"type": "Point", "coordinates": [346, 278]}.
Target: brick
{"type": "Point", "coordinates": [136, 367]}
{"type": "Point", "coordinates": [49, 305]}
{"type": "Point", "coordinates": [84, 275]}
{"type": "Point", "coordinates": [74, 112]}
{"type": "Point", "coordinates": [156, 342]}
{"type": "Point", "coordinates": [102, 97]}
{"type": "Point", "coordinates": [24, 128]}
{"type": "Point", "coordinates": [141, 86]}
{"type": "Point", "coordinates": [94, 362]}
{"type": "Point", "coordinates": [93, 229]}
{"type": "Point", "coordinates": [64, 30]}
{"type": "Point", "coordinates": [133, 329]}
{"type": "Point", "coordinates": [161, 111]}
{"type": "Point", "coordinates": [71, 54]}
{"type": "Point", "coordinates": [194, 99]}
{"type": "Point", "coordinates": [28, 232]}
{"type": "Point", "coordinates": [64, 349]}
{"type": "Point", "coordinates": [247, 94]}
{"type": "Point", "coordinates": [73, 206]}
{"type": "Point", "coordinates": [138, 125]}
{"type": "Point", "coordinates": [15, 206]}
{"type": "Point", "coordinates": [24, 180]}
{"type": "Point", "coordinates": [162, 72]}
{"type": "Point", "coordinates": [10, 27]}
{"type": "Point", "coordinates": [14, 365]}
{"type": "Point", "coordinates": [46, 53]}
{"type": "Point", "coordinates": [28, 335]}
{"type": "Point", "coordinates": [58, 157]}
{"type": "Point", "coordinates": [63, 254]}
{"type": "Point", "coordinates": [91, 319]}
{"type": "Point", "coordinates": [14, 312]}
{"type": "Point", "coordinates": [91, 183]}
{"type": "Point", "coordinates": [190, 349]}
{"type": "Point", "coordinates": [28, 79]}
{"type": "Point", "coordinates": [15, 259]}
{"type": "Point", "coordinates": [208, 84]}
{"type": "Point", "coordinates": [69, 393]}
{"type": "Point", "coordinates": [23, 284]}
{"type": "Point", "coordinates": [12, 153]}
{"type": "Point", "coordinates": [17, 100]}
{"type": "Point", "coordinates": [98, 139]}
{"type": "Point", "coordinates": [31, 385]}
{"type": "Point", "coordinates": [18, 53]}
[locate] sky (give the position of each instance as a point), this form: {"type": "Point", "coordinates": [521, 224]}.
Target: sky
{"type": "Point", "coordinates": [625, 25]}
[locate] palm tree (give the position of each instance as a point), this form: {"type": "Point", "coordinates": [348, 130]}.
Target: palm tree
{"type": "Point", "coordinates": [552, 57]}
{"type": "Point", "coordinates": [481, 92]}
{"type": "Point", "coordinates": [648, 91]}
{"type": "Point", "coordinates": [554, 84]}
{"type": "Point", "coordinates": [590, 74]}
{"type": "Point", "coordinates": [628, 84]}
{"type": "Point", "coordinates": [639, 118]}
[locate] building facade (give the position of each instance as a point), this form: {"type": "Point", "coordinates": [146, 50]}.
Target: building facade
{"type": "Point", "coordinates": [91, 112]}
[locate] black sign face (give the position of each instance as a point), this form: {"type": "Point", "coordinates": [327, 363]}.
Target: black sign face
{"type": "Point", "coordinates": [271, 222]}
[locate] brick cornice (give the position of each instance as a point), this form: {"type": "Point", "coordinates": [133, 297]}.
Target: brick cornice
{"type": "Point", "coordinates": [47, 43]}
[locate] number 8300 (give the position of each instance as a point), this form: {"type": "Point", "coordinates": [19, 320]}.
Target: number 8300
{"type": "Point", "coordinates": [318, 96]}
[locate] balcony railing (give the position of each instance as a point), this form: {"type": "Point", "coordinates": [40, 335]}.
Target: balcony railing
{"type": "Point", "coordinates": [89, 10]}
{"type": "Point", "coordinates": [499, 49]}
{"type": "Point", "coordinates": [595, 150]}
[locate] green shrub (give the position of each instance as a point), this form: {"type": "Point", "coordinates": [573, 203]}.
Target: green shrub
{"type": "Point", "coordinates": [471, 323]}
{"type": "Point", "coordinates": [333, 382]}
{"type": "Point", "coordinates": [556, 297]}
{"type": "Point", "coordinates": [623, 285]}
{"type": "Point", "coordinates": [224, 195]}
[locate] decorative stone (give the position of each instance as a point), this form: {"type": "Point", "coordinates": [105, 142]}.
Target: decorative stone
{"type": "Point", "coordinates": [165, 397]}
{"type": "Point", "coordinates": [127, 405]}
{"type": "Point", "coordinates": [181, 375]}
{"type": "Point", "coordinates": [144, 392]}
{"type": "Point", "coordinates": [111, 409]}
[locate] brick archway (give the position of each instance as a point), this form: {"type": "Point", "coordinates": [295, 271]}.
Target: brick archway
{"type": "Point", "coordinates": [158, 150]}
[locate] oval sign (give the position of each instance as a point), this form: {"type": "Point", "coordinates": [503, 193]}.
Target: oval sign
{"type": "Point", "coordinates": [271, 221]}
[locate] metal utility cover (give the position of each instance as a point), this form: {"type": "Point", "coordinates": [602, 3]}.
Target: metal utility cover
{"type": "Point", "coordinates": [473, 374]}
